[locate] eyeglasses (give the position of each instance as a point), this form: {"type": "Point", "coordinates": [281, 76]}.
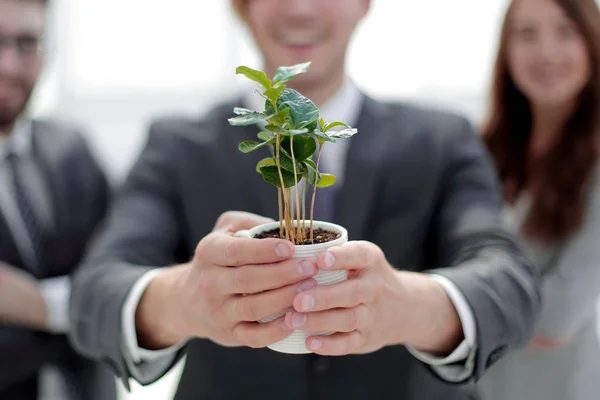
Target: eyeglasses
{"type": "Point", "coordinates": [26, 46]}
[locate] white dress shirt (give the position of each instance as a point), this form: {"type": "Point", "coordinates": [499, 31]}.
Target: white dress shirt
{"type": "Point", "coordinates": [344, 106]}
{"type": "Point", "coordinates": [55, 291]}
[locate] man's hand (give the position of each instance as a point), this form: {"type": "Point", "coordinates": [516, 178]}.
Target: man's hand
{"type": "Point", "coordinates": [377, 306]}
{"type": "Point", "coordinates": [230, 284]}
{"type": "Point", "coordinates": [21, 301]}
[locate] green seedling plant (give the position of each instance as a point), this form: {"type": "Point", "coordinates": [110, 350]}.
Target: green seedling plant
{"type": "Point", "coordinates": [294, 130]}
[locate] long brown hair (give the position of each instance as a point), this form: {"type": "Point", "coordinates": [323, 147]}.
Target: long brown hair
{"type": "Point", "coordinates": [557, 180]}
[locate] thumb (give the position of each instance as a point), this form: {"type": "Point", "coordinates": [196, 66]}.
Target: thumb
{"type": "Point", "coordinates": [233, 221]}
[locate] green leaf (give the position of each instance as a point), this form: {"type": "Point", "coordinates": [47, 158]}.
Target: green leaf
{"type": "Point", "coordinates": [343, 134]}
{"type": "Point", "coordinates": [302, 111]}
{"type": "Point", "coordinates": [311, 170]}
{"type": "Point", "coordinates": [249, 145]}
{"type": "Point", "coordinates": [279, 118]}
{"type": "Point", "coordinates": [256, 76]}
{"type": "Point", "coordinates": [242, 111]}
{"type": "Point", "coordinates": [273, 93]}
{"type": "Point", "coordinates": [326, 180]}
{"type": "Point", "coordinates": [264, 162]}
{"type": "Point", "coordinates": [269, 107]}
{"type": "Point", "coordinates": [284, 74]}
{"type": "Point", "coordinates": [322, 124]}
{"type": "Point", "coordinates": [273, 128]}
{"type": "Point", "coordinates": [270, 175]}
{"type": "Point", "coordinates": [264, 135]}
{"type": "Point", "coordinates": [285, 160]}
{"type": "Point", "coordinates": [248, 119]}
{"type": "Point", "coordinates": [295, 132]}
{"type": "Point", "coordinates": [334, 125]}
{"type": "Point", "coordinates": [323, 137]}
{"type": "Point", "coordinates": [304, 147]}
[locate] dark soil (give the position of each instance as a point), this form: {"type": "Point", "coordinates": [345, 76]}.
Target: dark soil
{"type": "Point", "coordinates": [319, 235]}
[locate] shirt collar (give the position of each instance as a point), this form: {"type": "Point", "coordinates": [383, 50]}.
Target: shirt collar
{"type": "Point", "coordinates": [19, 142]}
{"type": "Point", "coordinates": [343, 106]}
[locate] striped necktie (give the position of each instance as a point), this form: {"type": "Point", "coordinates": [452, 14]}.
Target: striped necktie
{"type": "Point", "coordinates": [29, 215]}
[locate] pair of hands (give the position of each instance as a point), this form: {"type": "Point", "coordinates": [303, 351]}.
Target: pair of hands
{"type": "Point", "coordinates": [375, 307]}
{"type": "Point", "coordinates": [21, 300]}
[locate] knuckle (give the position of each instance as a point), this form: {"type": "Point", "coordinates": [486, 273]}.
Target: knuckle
{"type": "Point", "coordinates": [201, 247]}
{"type": "Point", "coordinates": [246, 309]}
{"type": "Point", "coordinates": [254, 342]}
{"type": "Point", "coordinates": [239, 334]}
{"type": "Point", "coordinates": [352, 320]}
{"type": "Point", "coordinates": [216, 314]}
{"type": "Point", "coordinates": [224, 218]}
{"type": "Point", "coordinates": [344, 347]}
{"type": "Point", "coordinates": [357, 287]}
{"type": "Point", "coordinates": [205, 286]}
{"type": "Point", "coordinates": [241, 281]}
{"type": "Point", "coordinates": [369, 253]}
{"type": "Point", "coordinates": [380, 289]}
{"type": "Point", "coordinates": [231, 253]}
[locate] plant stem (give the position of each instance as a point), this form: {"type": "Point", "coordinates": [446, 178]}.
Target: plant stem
{"type": "Point", "coordinates": [285, 198]}
{"type": "Point", "coordinates": [304, 208]}
{"type": "Point", "coordinates": [298, 227]}
{"type": "Point", "coordinates": [280, 212]}
{"type": "Point", "coordinates": [291, 219]}
{"type": "Point", "coordinates": [314, 194]}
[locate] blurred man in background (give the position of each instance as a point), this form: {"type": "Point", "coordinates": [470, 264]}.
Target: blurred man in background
{"type": "Point", "coordinates": [53, 195]}
{"type": "Point", "coordinates": [416, 184]}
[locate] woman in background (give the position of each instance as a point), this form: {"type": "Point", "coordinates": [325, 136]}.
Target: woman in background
{"type": "Point", "coordinates": [543, 132]}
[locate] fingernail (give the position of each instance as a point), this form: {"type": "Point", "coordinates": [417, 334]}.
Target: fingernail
{"type": "Point", "coordinates": [315, 344]}
{"type": "Point", "coordinates": [282, 250]}
{"type": "Point", "coordinates": [306, 285]}
{"type": "Point", "coordinates": [306, 268]}
{"type": "Point", "coordinates": [329, 260]}
{"type": "Point", "coordinates": [298, 320]}
{"type": "Point", "coordinates": [308, 302]}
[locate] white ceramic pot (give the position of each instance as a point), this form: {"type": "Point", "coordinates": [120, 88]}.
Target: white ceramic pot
{"type": "Point", "coordinates": [296, 342]}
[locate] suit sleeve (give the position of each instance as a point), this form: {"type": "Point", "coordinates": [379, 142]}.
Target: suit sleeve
{"type": "Point", "coordinates": [34, 349]}
{"type": "Point", "coordinates": [483, 260]}
{"type": "Point", "coordinates": [141, 233]}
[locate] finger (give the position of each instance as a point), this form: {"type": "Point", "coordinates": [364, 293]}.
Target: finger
{"type": "Point", "coordinates": [257, 335]}
{"type": "Point", "coordinates": [351, 255]}
{"type": "Point", "coordinates": [338, 344]}
{"type": "Point", "coordinates": [258, 278]}
{"type": "Point", "coordinates": [233, 221]}
{"type": "Point", "coordinates": [260, 306]}
{"type": "Point", "coordinates": [219, 248]}
{"type": "Point", "coordinates": [345, 294]}
{"type": "Point", "coordinates": [338, 320]}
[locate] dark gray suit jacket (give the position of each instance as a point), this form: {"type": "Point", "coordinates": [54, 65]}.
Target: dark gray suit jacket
{"type": "Point", "coordinates": [418, 183]}
{"type": "Point", "coordinates": [79, 194]}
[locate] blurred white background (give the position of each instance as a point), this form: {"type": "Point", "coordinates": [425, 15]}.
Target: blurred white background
{"type": "Point", "coordinates": [114, 64]}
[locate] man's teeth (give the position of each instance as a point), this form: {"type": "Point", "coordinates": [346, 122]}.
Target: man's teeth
{"type": "Point", "coordinates": [300, 38]}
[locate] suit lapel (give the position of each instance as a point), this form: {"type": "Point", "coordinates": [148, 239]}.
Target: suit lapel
{"type": "Point", "coordinates": [355, 198]}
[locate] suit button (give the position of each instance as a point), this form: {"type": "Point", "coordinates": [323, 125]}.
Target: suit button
{"type": "Point", "coordinates": [496, 355]}
{"type": "Point", "coordinates": [321, 366]}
